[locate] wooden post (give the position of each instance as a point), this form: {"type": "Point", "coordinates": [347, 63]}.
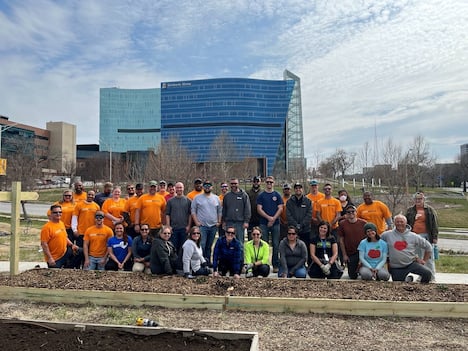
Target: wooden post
{"type": "Point", "coordinates": [16, 196]}
{"type": "Point", "coordinates": [15, 226]}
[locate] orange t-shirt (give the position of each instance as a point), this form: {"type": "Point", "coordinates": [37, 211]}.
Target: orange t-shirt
{"type": "Point", "coordinates": [191, 195]}
{"type": "Point", "coordinates": [419, 225]}
{"type": "Point", "coordinates": [315, 198]}
{"type": "Point", "coordinates": [115, 208]}
{"type": "Point", "coordinates": [328, 208]}
{"type": "Point", "coordinates": [131, 207]}
{"type": "Point", "coordinates": [376, 213]}
{"type": "Point", "coordinates": [152, 209]}
{"type": "Point", "coordinates": [97, 240]}
{"type": "Point", "coordinates": [55, 235]}
{"type": "Point", "coordinates": [80, 198]}
{"type": "Point", "coordinates": [85, 211]}
{"type": "Point", "coordinates": [67, 212]}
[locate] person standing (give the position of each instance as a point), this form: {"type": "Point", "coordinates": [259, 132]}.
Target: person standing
{"type": "Point", "coordinates": [269, 207]}
{"type": "Point", "coordinates": [162, 189]}
{"type": "Point", "coordinates": [114, 208]}
{"type": "Point", "coordinates": [206, 214]}
{"type": "Point", "coordinates": [105, 194]}
{"type": "Point", "coordinates": [197, 189]}
{"type": "Point", "coordinates": [54, 240]}
{"type": "Point", "coordinates": [376, 212]}
{"type": "Point", "coordinates": [329, 209]}
{"type": "Point", "coordinates": [236, 210]}
{"type": "Point", "coordinates": [95, 243]}
{"type": "Point", "coordinates": [170, 190]}
{"type": "Point", "coordinates": [131, 207]}
{"type": "Point", "coordinates": [79, 194]}
{"type": "Point", "coordinates": [284, 218]}
{"type": "Point", "coordinates": [178, 216]}
{"type": "Point", "coordinates": [403, 248]}
{"type": "Point", "coordinates": [150, 209]}
{"type": "Point", "coordinates": [423, 220]}
{"type": "Point", "coordinates": [253, 195]}
{"type": "Point", "coordinates": [314, 196]}
{"type": "Point", "coordinates": [350, 233]}
{"type": "Point", "coordinates": [299, 214]}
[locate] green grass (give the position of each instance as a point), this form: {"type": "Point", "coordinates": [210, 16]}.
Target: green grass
{"type": "Point", "coordinates": [452, 264]}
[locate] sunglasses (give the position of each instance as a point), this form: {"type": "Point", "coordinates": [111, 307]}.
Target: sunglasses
{"type": "Point", "coordinates": [144, 229]}
{"type": "Point", "coordinates": [99, 217]}
{"type": "Point", "coordinates": [255, 234]}
{"type": "Point", "coordinates": [231, 233]}
{"type": "Point", "coordinates": [196, 233]}
{"type": "Point", "coordinates": [269, 182]}
{"type": "Point", "coordinates": [291, 233]}
{"type": "Point", "coordinates": [57, 212]}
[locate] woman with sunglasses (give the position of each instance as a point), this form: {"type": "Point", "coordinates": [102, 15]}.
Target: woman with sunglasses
{"type": "Point", "coordinates": [324, 252]}
{"type": "Point", "coordinates": [193, 261]}
{"type": "Point", "coordinates": [141, 249]}
{"type": "Point", "coordinates": [256, 255]}
{"type": "Point", "coordinates": [227, 255]}
{"type": "Point", "coordinates": [163, 258]}
{"type": "Point", "coordinates": [293, 256]}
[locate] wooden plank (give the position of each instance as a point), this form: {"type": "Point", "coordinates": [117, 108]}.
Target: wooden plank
{"type": "Point", "coordinates": [111, 298]}
{"type": "Point", "coordinates": [237, 303]}
{"type": "Point", "coordinates": [24, 196]}
{"type": "Point", "coordinates": [350, 307]}
{"type": "Point", "coordinates": [15, 227]}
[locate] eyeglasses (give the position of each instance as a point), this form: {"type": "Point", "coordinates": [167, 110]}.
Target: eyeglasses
{"type": "Point", "coordinates": [291, 233]}
{"type": "Point", "coordinates": [255, 234]}
{"type": "Point", "coordinates": [269, 182]}
{"type": "Point", "coordinates": [326, 188]}
{"type": "Point", "coordinates": [144, 229]}
{"type": "Point", "coordinates": [67, 195]}
{"type": "Point", "coordinates": [57, 212]}
{"type": "Point", "coordinates": [234, 183]}
{"type": "Point", "coordinates": [167, 233]}
{"type": "Point", "coordinates": [231, 233]}
{"type": "Point", "coordinates": [99, 217]}
{"type": "Point", "coordinates": [196, 233]}
{"type": "Point", "coordinates": [224, 186]}
{"type": "Point", "coordinates": [130, 188]}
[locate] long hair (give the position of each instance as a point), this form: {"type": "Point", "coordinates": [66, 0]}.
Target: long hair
{"type": "Point", "coordinates": [198, 241]}
{"type": "Point", "coordinates": [125, 236]}
{"type": "Point", "coordinates": [328, 228]}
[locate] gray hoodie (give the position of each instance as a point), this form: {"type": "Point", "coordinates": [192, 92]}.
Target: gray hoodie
{"type": "Point", "coordinates": [403, 247]}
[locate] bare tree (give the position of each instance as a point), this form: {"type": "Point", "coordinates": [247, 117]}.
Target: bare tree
{"type": "Point", "coordinates": [364, 157]}
{"type": "Point", "coordinates": [23, 165]}
{"type": "Point", "coordinates": [420, 160]}
{"type": "Point", "coordinates": [223, 157]}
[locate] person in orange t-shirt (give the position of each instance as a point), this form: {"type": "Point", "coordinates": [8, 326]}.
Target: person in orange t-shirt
{"type": "Point", "coordinates": [151, 209]}
{"type": "Point", "coordinates": [95, 244]}
{"type": "Point", "coordinates": [329, 209]}
{"type": "Point", "coordinates": [113, 208]}
{"type": "Point", "coordinates": [79, 195]}
{"type": "Point", "coordinates": [376, 212]}
{"type": "Point", "coordinates": [54, 240]}
{"type": "Point", "coordinates": [197, 189]}
{"type": "Point", "coordinates": [131, 207]}
{"type": "Point", "coordinates": [314, 195]}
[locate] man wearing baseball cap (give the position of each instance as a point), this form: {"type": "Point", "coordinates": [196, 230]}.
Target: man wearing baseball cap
{"type": "Point", "coordinates": [150, 209]}
{"type": "Point", "coordinates": [197, 189]}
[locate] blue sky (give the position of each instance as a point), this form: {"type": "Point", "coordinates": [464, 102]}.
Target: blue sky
{"type": "Point", "coordinates": [368, 68]}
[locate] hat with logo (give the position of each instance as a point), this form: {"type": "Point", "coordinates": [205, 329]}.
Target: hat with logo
{"type": "Point", "coordinates": [313, 182]}
{"type": "Point", "coordinates": [297, 185]}
{"type": "Point", "coordinates": [257, 179]}
{"type": "Point", "coordinates": [286, 186]}
{"type": "Point", "coordinates": [153, 183]}
{"type": "Point", "coordinates": [207, 183]}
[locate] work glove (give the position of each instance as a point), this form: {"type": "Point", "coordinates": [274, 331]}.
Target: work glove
{"type": "Point", "coordinates": [188, 276]}
{"type": "Point", "coordinates": [326, 268]}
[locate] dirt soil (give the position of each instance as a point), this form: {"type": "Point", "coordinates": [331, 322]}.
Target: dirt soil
{"type": "Point", "coordinates": [333, 289]}
{"type": "Point", "coordinates": [34, 336]}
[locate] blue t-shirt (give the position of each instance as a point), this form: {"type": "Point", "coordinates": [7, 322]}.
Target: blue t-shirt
{"type": "Point", "coordinates": [269, 202]}
{"type": "Point", "coordinates": [374, 251]}
{"type": "Point", "coordinates": [119, 247]}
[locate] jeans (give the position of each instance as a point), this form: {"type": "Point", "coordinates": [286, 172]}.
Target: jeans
{"type": "Point", "coordinates": [95, 264]}
{"type": "Point", "coordinates": [399, 274]}
{"type": "Point", "coordinates": [207, 237]}
{"type": "Point", "coordinates": [62, 261]}
{"type": "Point", "coordinates": [178, 238]}
{"type": "Point", "coordinates": [430, 262]}
{"type": "Point", "coordinates": [301, 272]}
{"type": "Point", "coordinates": [275, 237]}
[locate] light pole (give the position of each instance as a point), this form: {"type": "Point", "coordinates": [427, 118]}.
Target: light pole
{"type": "Point", "coordinates": [110, 158]}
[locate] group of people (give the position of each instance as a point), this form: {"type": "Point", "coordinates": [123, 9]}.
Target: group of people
{"type": "Point", "coordinates": [164, 231]}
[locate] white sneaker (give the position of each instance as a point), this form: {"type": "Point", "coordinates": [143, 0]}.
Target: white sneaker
{"type": "Point", "coordinates": [413, 278]}
{"type": "Point", "coordinates": [249, 274]}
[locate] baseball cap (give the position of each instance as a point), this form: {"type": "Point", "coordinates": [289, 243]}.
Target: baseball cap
{"type": "Point", "coordinates": [286, 186]}
{"type": "Point", "coordinates": [297, 185]}
{"type": "Point", "coordinates": [197, 181]}
{"type": "Point", "coordinates": [313, 182]}
{"type": "Point", "coordinates": [153, 183]}
{"type": "Point", "coordinates": [162, 182]}
{"type": "Point", "coordinates": [207, 183]}
{"type": "Point", "coordinates": [257, 179]}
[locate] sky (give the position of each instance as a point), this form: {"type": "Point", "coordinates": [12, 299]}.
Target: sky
{"type": "Point", "coordinates": [370, 70]}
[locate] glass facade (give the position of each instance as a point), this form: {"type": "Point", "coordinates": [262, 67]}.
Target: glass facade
{"type": "Point", "coordinates": [130, 119]}
{"type": "Point", "coordinates": [251, 113]}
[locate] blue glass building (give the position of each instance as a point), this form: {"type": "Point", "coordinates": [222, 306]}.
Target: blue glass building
{"type": "Point", "coordinates": [252, 113]}
{"type": "Point", "coordinates": [130, 119]}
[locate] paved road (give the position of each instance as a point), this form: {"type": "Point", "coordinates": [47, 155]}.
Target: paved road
{"type": "Point", "coordinates": [33, 209]}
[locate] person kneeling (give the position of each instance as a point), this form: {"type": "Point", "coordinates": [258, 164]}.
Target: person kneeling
{"type": "Point", "coordinates": [373, 253]}
{"type": "Point", "coordinates": [256, 255]}
{"type": "Point", "coordinates": [193, 261]}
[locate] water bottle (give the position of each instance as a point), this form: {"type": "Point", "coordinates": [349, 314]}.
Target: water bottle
{"type": "Point", "coordinates": [436, 252]}
{"type": "Point", "coordinates": [145, 322]}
